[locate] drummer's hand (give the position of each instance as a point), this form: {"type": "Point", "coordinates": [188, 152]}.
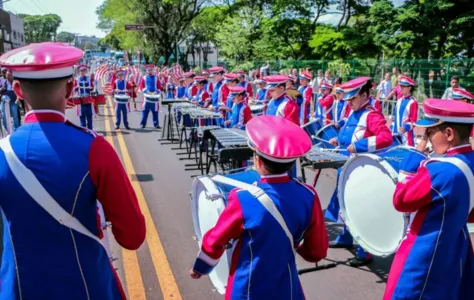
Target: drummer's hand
{"type": "Point", "coordinates": [194, 275]}
{"type": "Point", "coordinates": [333, 142]}
{"type": "Point", "coordinates": [227, 122]}
{"type": "Point", "coordinates": [401, 130]}
{"type": "Point", "coordinates": [351, 149]}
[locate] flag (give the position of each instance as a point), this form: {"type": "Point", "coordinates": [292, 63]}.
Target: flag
{"type": "Point", "coordinates": [176, 72]}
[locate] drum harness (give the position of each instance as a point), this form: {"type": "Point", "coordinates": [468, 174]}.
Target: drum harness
{"type": "Point", "coordinates": [40, 195]}
{"type": "Point", "coordinates": [264, 199]}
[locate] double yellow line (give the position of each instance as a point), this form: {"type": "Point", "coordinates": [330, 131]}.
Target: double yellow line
{"type": "Point", "coordinates": [133, 276]}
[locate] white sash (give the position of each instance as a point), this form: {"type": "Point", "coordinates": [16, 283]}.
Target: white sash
{"type": "Point", "coordinates": [33, 187]}
{"type": "Point", "coordinates": [263, 198]}
{"type": "Point", "coordinates": [465, 170]}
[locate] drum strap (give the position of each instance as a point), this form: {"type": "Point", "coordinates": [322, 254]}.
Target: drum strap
{"type": "Point", "coordinates": [38, 193]}
{"type": "Point", "coordinates": [465, 170]}
{"type": "Point", "coordinates": [263, 198]}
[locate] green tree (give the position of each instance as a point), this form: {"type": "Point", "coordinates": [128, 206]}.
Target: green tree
{"type": "Point", "coordinates": [88, 46]}
{"type": "Point", "coordinates": [65, 37]}
{"type": "Point", "coordinates": [40, 28]}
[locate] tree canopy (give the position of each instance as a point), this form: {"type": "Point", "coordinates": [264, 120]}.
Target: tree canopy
{"type": "Point", "coordinates": [293, 29]}
{"type": "Point", "coordinates": [65, 37]}
{"type": "Point", "coordinates": [40, 28]}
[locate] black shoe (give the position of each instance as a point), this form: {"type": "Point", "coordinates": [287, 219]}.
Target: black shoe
{"type": "Point", "coordinates": [128, 128]}
{"type": "Point", "coordinates": [158, 127]}
{"type": "Point", "coordinates": [117, 127]}
{"type": "Point", "coordinates": [335, 245]}
{"type": "Point", "coordinates": [143, 126]}
{"type": "Point", "coordinates": [359, 261]}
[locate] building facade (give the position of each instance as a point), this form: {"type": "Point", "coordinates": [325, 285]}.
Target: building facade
{"type": "Point", "coordinates": [5, 32]}
{"type": "Point", "coordinates": [17, 31]}
{"type": "Point", "coordinates": [81, 40]}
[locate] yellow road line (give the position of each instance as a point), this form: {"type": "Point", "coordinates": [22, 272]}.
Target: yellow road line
{"type": "Point", "coordinates": [133, 277]}
{"type": "Point", "coordinates": [169, 287]}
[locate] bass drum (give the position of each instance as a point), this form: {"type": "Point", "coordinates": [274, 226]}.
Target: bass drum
{"type": "Point", "coordinates": [209, 198]}
{"type": "Point", "coordinates": [366, 187]}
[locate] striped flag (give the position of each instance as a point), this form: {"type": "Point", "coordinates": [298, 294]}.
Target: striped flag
{"type": "Point", "coordinates": [100, 72]}
{"type": "Point", "coordinates": [176, 72]}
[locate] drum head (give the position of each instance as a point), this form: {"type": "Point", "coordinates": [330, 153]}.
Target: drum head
{"type": "Point", "coordinates": [365, 189]}
{"type": "Point", "coordinates": [205, 215]}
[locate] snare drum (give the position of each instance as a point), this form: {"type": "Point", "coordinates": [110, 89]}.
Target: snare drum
{"type": "Point", "coordinates": [78, 100]}
{"type": "Point", "coordinates": [257, 110]}
{"type": "Point", "coordinates": [152, 97]}
{"type": "Point", "coordinates": [325, 134]}
{"type": "Point", "coordinates": [365, 189]}
{"type": "Point", "coordinates": [312, 128]}
{"type": "Point", "coordinates": [122, 98]}
{"type": "Point", "coordinates": [100, 99]}
{"type": "Point", "coordinates": [209, 198]}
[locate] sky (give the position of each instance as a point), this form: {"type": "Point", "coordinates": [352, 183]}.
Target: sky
{"type": "Point", "coordinates": [78, 15]}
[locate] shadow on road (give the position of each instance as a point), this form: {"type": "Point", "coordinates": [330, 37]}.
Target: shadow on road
{"type": "Point", "coordinates": [112, 133]}
{"type": "Point", "coordinates": [380, 265]}
{"type": "Point", "coordinates": [146, 130]}
{"type": "Point", "coordinates": [142, 177]}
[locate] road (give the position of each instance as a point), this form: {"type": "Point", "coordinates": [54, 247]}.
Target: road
{"type": "Point", "coordinates": [159, 269]}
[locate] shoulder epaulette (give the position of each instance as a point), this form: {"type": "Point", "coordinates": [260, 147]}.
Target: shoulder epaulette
{"type": "Point", "coordinates": [83, 129]}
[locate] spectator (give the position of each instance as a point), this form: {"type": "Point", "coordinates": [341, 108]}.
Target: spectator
{"type": "Point", "coordinates": [384, 88]}
{"type": "Point", "coordinates": [448, 94]}
{"type": "Point", "coordinates": [265, 69]}
{"type": "Point", "coordinates": [7, 90]}
{"type": "Point", "coordinates": [327, 77]}
{"type": "Point", "coordinates": [295, 74]}
{"type": "Point", "coordinates": [395, 77]}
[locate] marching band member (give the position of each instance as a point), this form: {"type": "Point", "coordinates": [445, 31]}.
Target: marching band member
{"type": "Point", "coordinates": [83, 85]}
{"type": "Point", "coordinates": [364, 131]}
{"type": "Point", "coordinates": [191, 89]}
{"type": "Point", "coordinates": [281, 104]}
{"type": "Point", "coordinates": [150, 84]}
{"type": "Point", "coordinates": [230, 80]}
{"type": "Point", "coordinates": [262, 93]}
{"type": "Point", "coordinates": [245, 84]}
{"type": "Point", "coordinates": [307, 93]}
{"type": "Point", "coordinates": [263, 263]}
{"type": "Point", "coordinates": [292, 91]}
{"type": "Point", "coordinates": [209, 87]}
{"type": "Point", "coordinates": [122, 108]}
{"type": "Point", "coordinates": [462, 95]}
{"type": "Point", "coordinates": [241, 112]}
{"type": "Point", "coordinates": [202, 98]}
{"type": "Point", "coordinates": [216, 73]}
{"type": "Point", "coordinates": [71, 262]}
{"type": "Point", "coordinates": [406, 112]}
{"type": "Point", "coordinates": [436, 260]}
{"type": "Point", "coordinates": [325, 103]}
{"type": "Point", "coordinates": [94, 92]}
{"type": "Point", "coordinates": [341, 108]}
{"type": "Point", "coordinates": [170, 88]}
{"type": "Point", "coordinates": [374, 102]}
{"type": "Point", "coordinates": [133, 94]}
{"type": "Point", "coordinates": [181, 89]}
